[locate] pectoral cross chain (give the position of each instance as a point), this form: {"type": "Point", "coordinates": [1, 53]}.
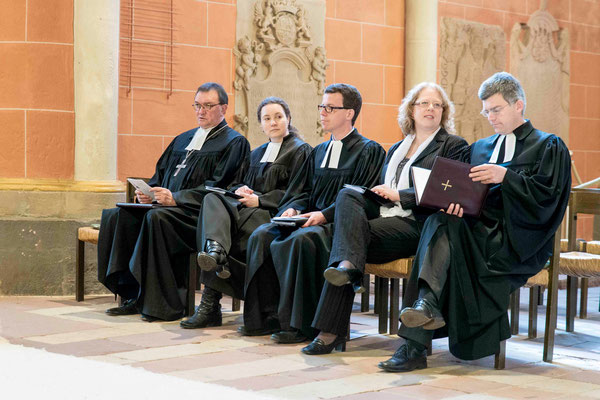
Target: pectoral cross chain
{"type": "Point", "coordinates": [446, 185]}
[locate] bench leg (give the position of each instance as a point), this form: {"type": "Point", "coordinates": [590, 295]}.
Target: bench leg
{"type": "Point", "coordinates": [500, 356]}
{"type": "Point", "coordinates": [383, 304]}
{"type": "Point", "coordinates": [584, 298]}
{"type": "Point", "coordinates": [235, 304]}
{"type": "Point", "coordinates": [571, 302]}
{"type": "Point", "coordinates": [515, 300]}
{"type": "Point", "coordinates": [394, 305]}
{"type": "Point", "coordinates": [79, 270]}
{"type": "Point", "coordinates": [364, 297]}
{"type": "Point", "coordinates": [533, 311]}
{"type": "Point", "coordinates": [376, 295]}
{"type": "Point", "coordinates": [191, 294]}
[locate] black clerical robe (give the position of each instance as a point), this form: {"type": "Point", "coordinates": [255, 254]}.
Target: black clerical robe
{"type": "Point", "coordinates": [491, 256]}
{"type": "Point", "coordinates": [145, 255]}
{"type": "Point", "coordinates": [228, 222]}
{"type": "Point", "coordinates": [300, 256]}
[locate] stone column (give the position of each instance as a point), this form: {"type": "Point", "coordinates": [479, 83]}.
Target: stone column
{"type": "Point", "coordinates": [96, 58]}
{"type": "Point", "coordinates": [420, 42]}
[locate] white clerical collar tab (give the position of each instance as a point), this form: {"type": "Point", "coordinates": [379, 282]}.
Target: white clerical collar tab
{"type": "Point", "coordinates": [271, 152]}
{"type": "Point", "coordinates": [334, 150]}
{"type": "Point", "coordinates": [509, 148]}
{"type": "Point", "coordinates": [198, 140]}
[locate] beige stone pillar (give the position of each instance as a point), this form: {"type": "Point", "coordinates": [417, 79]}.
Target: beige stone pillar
{"type": "Point", "coordinates": [420, 42]}
{"type": "Point", "coordinates": [96, 58]}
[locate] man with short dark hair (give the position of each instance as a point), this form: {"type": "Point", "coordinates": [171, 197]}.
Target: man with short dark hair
{"type": "Point", "coordinates": [143, 253]}
{"type": "Point", "coordinates": [285, 266]}
{"type": "Point", "coordinates": [466, 268]}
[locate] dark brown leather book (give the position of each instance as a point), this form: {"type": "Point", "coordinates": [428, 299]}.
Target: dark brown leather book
{"type": "Point", "coordinates": [449, 182]}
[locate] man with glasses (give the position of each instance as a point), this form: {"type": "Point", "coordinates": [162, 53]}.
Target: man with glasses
{"type": "Point", "coordinates": [143, 253]}
{"type": "Point", "coordinates": [466, 268]}
{"type": "Point", "coordinates": [280, 259]}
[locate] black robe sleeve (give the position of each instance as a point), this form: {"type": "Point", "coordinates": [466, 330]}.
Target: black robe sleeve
{"type": "Point", "coordinates": [534, 199]}
{"type": "Point", "coordinates": [297, 195]}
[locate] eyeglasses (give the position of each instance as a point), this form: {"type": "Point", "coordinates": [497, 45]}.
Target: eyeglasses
{"type": "Point", "coordinates": [426, 104]}
{"type": "Point", "coordinates": [207, 107]}
{"type": "Point", "coordinates": [494, 111]}
{"type": "Point", "coordinates": [329, 109]}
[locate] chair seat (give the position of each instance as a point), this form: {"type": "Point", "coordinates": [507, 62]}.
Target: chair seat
{"type": "Point", "coordinates": [582, 265]}
{"type": "Point", "coordinates": [593, 247]}
{"type": "Point", "coordinates": [87, 234]}
{"type": "Point", "coordinates": [396, 269]}
{"type": "Point", "coordinates": [539, 279]}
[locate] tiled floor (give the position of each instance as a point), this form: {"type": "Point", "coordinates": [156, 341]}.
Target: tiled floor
{"type": "Point", "coordinates": [221, 356]}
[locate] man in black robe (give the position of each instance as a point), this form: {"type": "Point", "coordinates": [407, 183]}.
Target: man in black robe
{"type": "Point", "coordinates": [466, 268]}
{"type": "Point", "coordinates": [280, 260]}
{"type": "Point", "coordinates": [143, 254]}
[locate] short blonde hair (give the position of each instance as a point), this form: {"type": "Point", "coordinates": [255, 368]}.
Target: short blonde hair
{"type": "Point", "coordinates": [406, 109]}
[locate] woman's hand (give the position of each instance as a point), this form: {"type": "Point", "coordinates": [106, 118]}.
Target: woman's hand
{"type": "Point", "coordinates": [290, 212]}
{"type": "Point", "coordinates": [454, 209]}
{"type": "Point", "coordinates": [387, 192]}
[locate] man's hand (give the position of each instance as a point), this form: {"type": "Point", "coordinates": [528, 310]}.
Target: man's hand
{"type": "Point", "coordinates": [243, 190]}
{"type": "Point", "coordinates": [314, 218]}
{"type": "Point", "coordinates": [488, 173]}
{"type": "Point", "coordinates": [142, 198]}
{"type": "Point", "coordinates": [454, 209]}
{"type": "Point", "coordinates": [290, 212]}
{"type": "Point", "coordinates": [387, 192]}
{"type": "Point", "coordinates": [163, 196]}
{"type": "Point", "coordinates": [248, 200]}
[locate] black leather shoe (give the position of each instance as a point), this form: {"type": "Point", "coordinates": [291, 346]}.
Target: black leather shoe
{"type": "Point", "coordinates": [202, 319]}
{"type": "Point", "coordinates": [406, 358]}
{"type": "Point", "coordinates": [287, 337]}
{"type": "Point", "coordinates": [214, 256]}
{"type": "Point", "coordinates": [339, 276]}
{"type": "Point", "coordinates": [208, 313]}
{"type": "Point", "coordinates": [242, 330]}
{"type": "Point", "coordinates": [422, 314]}
{"type": "Point", "coordinates": [318, 346]}
{"type": "Point", "coordinates": [129, 307]}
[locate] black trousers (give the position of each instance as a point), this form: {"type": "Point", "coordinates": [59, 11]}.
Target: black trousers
{"type": "Point", "coordinates": [227, 222]}
{"type": "Point", "coordinates": [361, 236]}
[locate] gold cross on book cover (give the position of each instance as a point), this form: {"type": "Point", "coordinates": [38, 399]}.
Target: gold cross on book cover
{"type": "Point", "coordinates": [448, 182]}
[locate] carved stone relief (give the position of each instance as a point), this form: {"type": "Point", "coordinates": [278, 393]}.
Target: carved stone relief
{"type": "Point", "coordinates": [280, 52]}
{"type": "Point", "coordinates": [539, 57]}
{"type": "Point", "coordinates": [470, 52]}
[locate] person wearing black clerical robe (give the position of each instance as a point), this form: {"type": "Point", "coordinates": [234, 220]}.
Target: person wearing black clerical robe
{"type": "Point", "coordinates": [280, 259]}
{"type": "Point", "coordinates": [142, 254]}
{"type": "Point", "coordinates": [465, 268]}
{"type": "Point", "coordinates": [226, 223]}
{"type": "Point", "coordinates": [364, 230]}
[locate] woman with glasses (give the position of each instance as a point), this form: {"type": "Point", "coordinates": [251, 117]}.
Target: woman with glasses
{"type": "Point", "coordinates": [227, 222]}
{"type": "Point", "coordinates": [364, 231]}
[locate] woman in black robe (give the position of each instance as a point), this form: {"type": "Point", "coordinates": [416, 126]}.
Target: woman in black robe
{"type": "Point", "coordinates": [226, 223]}
{"type": "Point", "coordinates": [364, 231]}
